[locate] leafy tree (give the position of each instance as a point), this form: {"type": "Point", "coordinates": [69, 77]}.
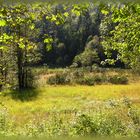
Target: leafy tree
{"type": "Point", "coordinates": [124, 38]}
{"type": "Point", "coordinates": [87, 58]}
{"type": "Point", "coordinates": [19, 24]}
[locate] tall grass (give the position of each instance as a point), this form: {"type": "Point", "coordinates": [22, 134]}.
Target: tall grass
{"type": "Point", "coordinates": [115, 119]}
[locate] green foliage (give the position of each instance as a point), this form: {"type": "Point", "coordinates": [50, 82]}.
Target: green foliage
{"type": "Point", "coordinates": [78, 73]}
{"type": "Point", "coordinates": [112, 126]}
{"type": "Point", "coordinates": [17, 44]}
{"type": "Point", "coordinates": [99, 124]}
{"type": "Point", "coordinates": [90, 81]}
{"type": "Point", "coordinates": [60, 32]}
{"type": "Point", "coordinates": [124, 37]}
{"type": "Point", "coordinates": [2, 23]}
{"type": "Point", "coordinates": [3, 115]}
{"type": "Point", "coordinates": [71, 111]}
{"type": "Point", "coordinates": [87, 58]}
{"type": "Point", "coordinates": [85, 126]}
{"type": "Point", "coordinates": [118, 79]}
{"type": "Point", "coordinates": [99, 79]}
{"type": "Point", "coordinates": [84, 76]}
{"type": "Point", "coordinates": [58, 79]}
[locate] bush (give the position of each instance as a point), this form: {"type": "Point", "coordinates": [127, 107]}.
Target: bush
{"type": "Point", "coordinates": [87, 58]}
{"type": "Point", "coordinates": [2, 120]}
{"type": "Point", "coordinates": [86, 81]}
{"type": "Point", "coordinates": [58, 79]}
{"type": "Point", "coordinates": [91, 80]}
{"type": "Point", "coordinates": [111, 125]}
{"type": "Point", "coordinates": [95, 67]}
{"type": "Point", "coordinates": [99, 79]}
{"type": "Point", "coordinates": [5, 121]}
{"type": "Point", "coordinates": [107, 125]}
{"type": "Point", "coordinates": [74, 65]}
{"type": "Point", "coordinates": [84, 126]}
{"type": "Point", "coordinates": [100, 122]}
{"type": "Point", "coordinates": [78, 73]}
{"type": "Point", "coordinates": [117, 79]}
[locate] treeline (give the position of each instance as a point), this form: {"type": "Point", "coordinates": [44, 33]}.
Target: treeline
{"type": "Point", "coordinates": [60, 35]}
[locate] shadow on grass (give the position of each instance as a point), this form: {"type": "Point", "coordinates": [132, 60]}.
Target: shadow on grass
{"type": "Point", "coordinates": [24, 95]}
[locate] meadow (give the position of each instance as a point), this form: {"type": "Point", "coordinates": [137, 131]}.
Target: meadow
{"type": "Point", "coordinates": [72, 109]}
{"type": "Point", "coordinates": [69, 69]}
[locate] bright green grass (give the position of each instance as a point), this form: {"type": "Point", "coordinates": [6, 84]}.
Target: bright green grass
{"type": "Point", "coordinates": [64, 98]}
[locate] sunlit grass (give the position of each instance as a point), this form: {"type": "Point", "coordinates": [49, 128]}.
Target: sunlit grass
{"type": "Point", "coordinates": [57, 98]}
{"type": "Point", "coordinates": [45, 100]}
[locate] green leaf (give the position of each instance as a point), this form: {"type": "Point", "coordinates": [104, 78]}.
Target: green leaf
{"type": "Point", "coordinates": [54, 18]}
{"type": "Point", "coordinates": [48, 40]}
{"type": "Point", "coordinates": [29, 47]}
{"type": "Point", "coordinates": [21, 45]}
{"type": "Point", "coordinates": [57, 23]}
{"type": "Point", "coordinates": [66, 14]}
{"type": "Point", "coordinates": [49, 47]}
{"type": "Point", "coordinates": [32, 26]}
{"type": "Point", "coordinates": [2, 23]}
{"type": "Point", "coordinates": [47, 17]}
{"type": "Point", "coordinates": [76, 12]}
{"type": "Point", "coordinates": [32, 16]}
{"type": "Point", "coordinates": [105, 12]}
{"type": "Point", "coordinates": [4, 48]}
{"type": "Point", "coordinates": [21, 39]}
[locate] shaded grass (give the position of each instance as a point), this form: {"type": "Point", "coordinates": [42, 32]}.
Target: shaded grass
{"type": "Point", "coordinates": [22, 95]}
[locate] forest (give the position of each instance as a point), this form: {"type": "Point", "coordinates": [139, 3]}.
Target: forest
{"type": "Point", "coordinates": [70, 69]}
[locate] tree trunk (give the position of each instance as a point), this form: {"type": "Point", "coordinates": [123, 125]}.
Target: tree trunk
{"type": "Point", "coordinates": [20, 68]}
{"type": "Point", "coordinates": [20, 64]}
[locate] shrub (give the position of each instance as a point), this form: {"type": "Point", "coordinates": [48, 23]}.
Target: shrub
{"type": "Point", "coordinates": [2, 121]}
{"type": "Point", "coordinates": [107, 125]}
{"type": "Point", "coordinates": [99, 79]}
{"type": "Point", "coordinates": [78, 73]}
{"type": "Point", "coordinates": [84, 126]}
{"type": "Point", "coordinates": [74, 65]}
{"type": "Point", "coordinates": [91, 80]}
{"type": "Point", "coordinates": [87, 58]}
{"type": "Point", "coordinates": [97, 123]}
{"type": "Point", "coordinates": [110, 125]}
{"type": "Point", "coordinates": [95, 67]}
{"type": "Point", "coordinates": [134, 115]}
{"type": "Point", "coordinates": [117, 79]}
{"type": "Point", "coordinates": [58, 79]}
{"type": "Point", "coordinates": [86, 81]}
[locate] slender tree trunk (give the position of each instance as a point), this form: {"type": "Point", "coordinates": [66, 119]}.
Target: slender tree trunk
{"type": "Point", "coordinates": [20, 70]}
{"type": "Point", "coordinates": [1, 74]}
{"type": "Point", "coordinates": [25, 62]}
{"type": "Point", "coordinates": [20, 64]}
{"type": "Point", "coordinates": [1, 71]}
{"type": "Point", "coordinates": [1, 65]}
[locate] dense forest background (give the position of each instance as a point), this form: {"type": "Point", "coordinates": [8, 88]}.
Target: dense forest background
{"type": "Point", "coordinates": [67, 35]}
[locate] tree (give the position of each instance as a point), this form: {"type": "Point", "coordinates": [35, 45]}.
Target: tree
{"type": "Point", "coordinates": [17, 37]}
{"type": "Point", "coordinates": [124, 38]}
{"type": "Point", "coordinates": [87, 58]}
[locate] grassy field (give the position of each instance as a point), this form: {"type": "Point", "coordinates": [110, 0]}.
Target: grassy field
{"type": "Point", "coordinates": [67, 98]}
{"type": "Point", "coordinates": [65, 101]}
